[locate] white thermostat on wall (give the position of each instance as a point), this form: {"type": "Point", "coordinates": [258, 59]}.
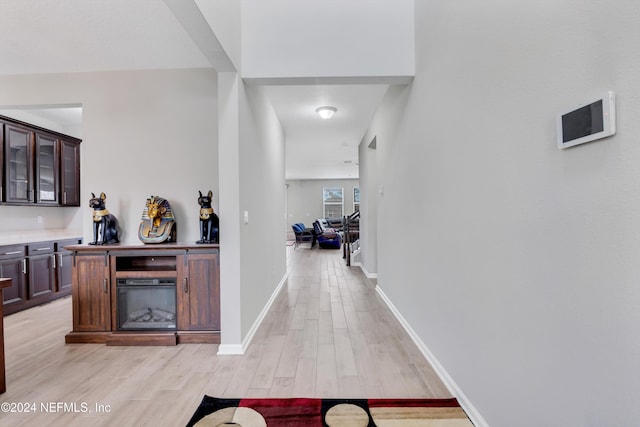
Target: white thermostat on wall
{"type": "Point", "coordinates": [588, 121]}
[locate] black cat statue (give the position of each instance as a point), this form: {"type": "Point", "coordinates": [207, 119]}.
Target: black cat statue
{"type": "Point", "coordinates": [209, 221]}
{"type": "Point", "coordinates": [105, 225]}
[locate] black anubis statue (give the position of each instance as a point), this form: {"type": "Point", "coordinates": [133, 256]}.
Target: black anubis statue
{"type": "Point", "coordinates": [208, 220]}
{"type": "Point", "coordinates": [105, 225]}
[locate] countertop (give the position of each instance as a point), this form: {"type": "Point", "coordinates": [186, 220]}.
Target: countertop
{"type": "Point", "coordinates": [29, 236]}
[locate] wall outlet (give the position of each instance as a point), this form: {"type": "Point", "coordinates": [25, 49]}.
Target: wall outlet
{"type": "Point", "coordinates": [40, 219]}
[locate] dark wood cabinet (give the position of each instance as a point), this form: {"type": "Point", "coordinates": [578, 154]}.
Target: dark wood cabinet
{"type": "Point", "coordinates": [70, 172]}
{"type": "Point", "coordinates": [41, 277]}
{"type": "Point", "coordinates": [40, 167]}
{"type": "Point", "coordinates": [91, 293]}
{"type": "Point", "coordinates": [46, 170]}
{"type": "Point", "coordinates": [199, 295]}
{"type": "Point", "coordinates": [18, 161]}
{"type": "Point", "coordinates": [98, 273]}
{"type": "Point", "coordinates": [2, 166]}
{"type": "Point", "coordinates": [13, 265]}
{"type": "Point", "coordinates": [40, 272]}
{"type": "Point", "coordinates": [63, 266]}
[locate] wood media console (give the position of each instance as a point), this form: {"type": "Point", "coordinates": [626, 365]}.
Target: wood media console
{"type": "Point", "coordinates": [162, 294]}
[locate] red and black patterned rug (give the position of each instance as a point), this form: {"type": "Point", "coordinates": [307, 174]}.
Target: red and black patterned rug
{"type": "Point", "coordinates": [329, 413]}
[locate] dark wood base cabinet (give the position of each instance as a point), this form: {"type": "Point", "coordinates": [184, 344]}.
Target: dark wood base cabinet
{"type": "Point", "coordinates": [40, 272]}
{"type": "Point", "coordinates": [114, 302]}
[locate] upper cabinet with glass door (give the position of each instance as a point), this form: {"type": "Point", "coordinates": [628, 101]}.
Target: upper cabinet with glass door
{"type": "Point", "coordinates": [46, 169]}
{"type": "Point", "coordinates": [18, 185]}
{"type": "Point", "coordinates": [39, 166]}
{"type": "Point", "coordinates": [69, 173]}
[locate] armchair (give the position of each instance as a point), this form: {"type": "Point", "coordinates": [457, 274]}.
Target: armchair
{"type": "Point", "coordinates": [303, 234]}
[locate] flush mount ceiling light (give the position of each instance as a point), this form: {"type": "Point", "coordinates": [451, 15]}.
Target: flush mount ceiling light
{"type": "Point", "coordinates": [326, 112]}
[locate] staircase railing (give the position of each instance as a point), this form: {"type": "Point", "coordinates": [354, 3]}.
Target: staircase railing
{"type": "Point", "coordinates": [351, 234]}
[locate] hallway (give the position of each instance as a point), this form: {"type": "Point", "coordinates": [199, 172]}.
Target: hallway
{"type": "Point", "coordinates": [328, 334]}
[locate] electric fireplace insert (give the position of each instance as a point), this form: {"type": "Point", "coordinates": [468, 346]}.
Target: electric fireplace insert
{"type": "Point", "coordinates": [146, 304]}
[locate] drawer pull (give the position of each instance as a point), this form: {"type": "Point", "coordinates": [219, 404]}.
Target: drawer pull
{"type": "Point", "coordinates": [44, 249]}
{"type": "Point", "coordinates": [12, 253]}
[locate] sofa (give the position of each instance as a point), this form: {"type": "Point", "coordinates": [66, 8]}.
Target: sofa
{"type": "Point", "coordinates": [328, 238]}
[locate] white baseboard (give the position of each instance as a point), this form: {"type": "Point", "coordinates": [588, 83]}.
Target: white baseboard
{"type": "Point", "coordinates": [230, 349]}
{"type": "Point", "coordinates": [451, 385]}
{"type": "Point", "coordinates": [239, 349]}
{"type": "Point", "coordinates": [364, 270]}
{"type": "Point", "coordinates": [247, 339]}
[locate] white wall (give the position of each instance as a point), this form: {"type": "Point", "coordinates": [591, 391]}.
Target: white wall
{"type": "Point", "coordinates": [375, 150]}
{"type": "Point", "coordinates": [229, 175]}
{"type": "Point", "coordinates": [39, 117]}
{"type": "Point", "coordinates": [293, 38]}
{"type": "Point", "coordinates": [144, 133]}
{"type": "Point", "coordinates": [262, 254]}
{"type": "Point", "coordinates": [223, 16]}
{"type": "Point", "coordinates": [17, 219]}
{"type": "Point", "coordinates": [304, 198]}
{"type": "Point", "coordinates": [519, 268]}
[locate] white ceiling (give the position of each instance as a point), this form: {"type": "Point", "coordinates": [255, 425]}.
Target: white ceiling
{"type": "Point", "coordinates": [97, 35]}
{"type": "Point", "coordinates": [44, 36]}
{"type": "Point", "coordinates": [318, 148]}
{"type": "Point", "coordinates": [63, 119]}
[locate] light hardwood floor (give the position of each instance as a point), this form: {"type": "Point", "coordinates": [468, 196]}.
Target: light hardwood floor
{"type": "Point", "coordinates": [328, 334]}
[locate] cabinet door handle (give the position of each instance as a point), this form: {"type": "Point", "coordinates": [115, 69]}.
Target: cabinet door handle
{"type": "Point", "coordinates": [104, 286]}
{"type": "Point", "coordinates": [186, 285]}
{"type": "Point", "coordinates": [60, 260]}
{"type": "Point", "coordinates": [64, 198]}
{"type": "Point", "coordinates": [53, 261]}
{"type": "Point", "coordinates": [24, 266]}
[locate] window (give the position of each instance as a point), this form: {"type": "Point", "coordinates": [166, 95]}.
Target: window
{"type": "Point", "coordinates": [356, 199]}
{"type": "Point", "coordinates": [333, 202]}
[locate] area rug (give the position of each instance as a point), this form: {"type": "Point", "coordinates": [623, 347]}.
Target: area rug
{"type": "Point", "coordinates": [329, 413]}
